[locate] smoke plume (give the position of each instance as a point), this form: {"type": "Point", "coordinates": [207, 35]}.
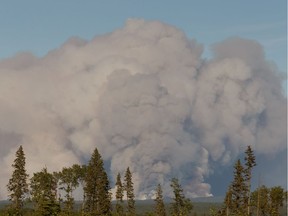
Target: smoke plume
{"type": "Point", "coordinates": [145, 97]}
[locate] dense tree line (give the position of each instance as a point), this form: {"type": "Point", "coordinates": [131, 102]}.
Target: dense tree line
{"type": "Point", "coordinates": [239, 201]}
{"type": "Point", "coordinates": [52, 193]}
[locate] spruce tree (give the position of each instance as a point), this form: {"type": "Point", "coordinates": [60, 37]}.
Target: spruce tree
{"type": "Point", "coordinates": [130, 193]}
{"type": "Point", "coordinates": [119, 196]}
{"type": "Point", "coordinates": [181, 206]}
{"type": "Point", "coordinates": [18, 186]}
{"type": "Point", "coordinates": [250, 162]}
{"type": "Point", "coordinates": [238, 190]}
{"type": "Point", "coordinates": [159, 206]}
{"type": "Point", "coordinates": [44, 193]}
{"type": "Point", "coordinates": [96, 190]}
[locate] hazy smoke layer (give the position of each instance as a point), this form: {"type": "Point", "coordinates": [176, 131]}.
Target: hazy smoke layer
{"type": "Point", "coordinates": [144, 96]}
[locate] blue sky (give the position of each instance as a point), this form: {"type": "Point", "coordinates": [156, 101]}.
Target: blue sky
{"type": "Point", "coordinates": [39, 26]}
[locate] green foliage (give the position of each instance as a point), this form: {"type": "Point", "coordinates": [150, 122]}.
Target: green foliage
{"type": "Point", "coordinates": [239, 201]}
{"type": "Point", "coordinates": [181, 205]}
{"type": "Point", "coordinates": [81, 172]}
{"type": "Point", "coordinates": [260, 200]}
{"type": "Point", "coordinates": [68, 181]}
{"type": "Point", "coordinates": [96, 189]}
{"type": "Point", "coordinates": [119, 196]}
{"type": "Point", "coordinates": [159, 206]}
{"type": "Point", "coordinates": [130, 193]}
{"type": "Point", "coordinates": [238, 197]}
{"type": "Point", "coordinates": [44, 192]}
{"type": "Point", "coordinates": [250, 162]}
{"type": "Point", "coordinates": [18, 186]}
{"type": "Point", "coordinates": [228, 201]}
{"type": "Point", "coordinates": [277, 196]}
{"type": "Point", "coordinates": [212, 212]}
{"type": "Point", "coordinates": [238, 190]}
{"type": "Point", "coordinates": [268, 201]}
{"type": "Point", "coordinates": [150, 214]}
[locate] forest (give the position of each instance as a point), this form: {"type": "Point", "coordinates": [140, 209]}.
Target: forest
{"type": "Point", "coordinates": [47, 193]}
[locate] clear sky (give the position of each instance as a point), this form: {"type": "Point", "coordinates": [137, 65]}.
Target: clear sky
{"type": "Point", "coordinates": [39, 26]}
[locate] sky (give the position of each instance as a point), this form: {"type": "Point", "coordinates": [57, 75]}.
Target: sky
{"type": "Point", "coordinates": [40, 26]}
{"type": "Point", "coordinates": [45, 29]}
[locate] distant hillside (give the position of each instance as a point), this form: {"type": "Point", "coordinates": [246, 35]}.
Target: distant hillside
{"type": "Point", "coordinates": [3, 203]}
{"type": "Point", "coordinates": [208, 199]}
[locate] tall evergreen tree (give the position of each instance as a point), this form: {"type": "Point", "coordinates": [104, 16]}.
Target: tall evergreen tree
{"type": "Point", "coordinates": [44, 193]}
{"type": "Point", "coordinates": [159, 206]}
{"type": "Point", "coordinates": [238, 191]}
{"type": "Point", "coordinates": [250, 162]}
{"type": "Point", "coordinates": [96, 189]}
{"type": "Point", "coordinates": [181, 206]}
{"type": "Point", "coordinates": [119, 196]}
{"type": "Point", "coordinates": [130, 193]}
{"type": "Point", "coordinates": [18, 186]}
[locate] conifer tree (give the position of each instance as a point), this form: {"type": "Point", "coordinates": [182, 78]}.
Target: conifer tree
{"type": "Point", "coordinates": [159, 206]}
{"type": "Point", "coordinates": [250, 162]}
{"type": "Point", "coordinates": [130, 193]}
{"type": "Point", "coordinates": [18, 186]}
{"type": "Point", "coordinates": [96, 190]}
{"type": "Point", "coordinates": [238, 190]}
{"type": "Point", "coordinates": [181, 206]}
{"type": "Point", "coordinates": [228, 201]}
{"type": "Point", "coordinates": [119, 196]}
{"type": "Point", "coordinates": [44, 193]}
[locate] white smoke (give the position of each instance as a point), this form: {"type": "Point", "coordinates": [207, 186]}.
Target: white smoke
{"type": "Point", "coordinates": [145, 97]}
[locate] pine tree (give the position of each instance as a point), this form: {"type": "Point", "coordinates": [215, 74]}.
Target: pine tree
{"type": "Point", "coordinates": [96, 190]}
{"type": "Point", "coordinates": [238, 191]}
{"type": "Point", "coordinates": [119, 196]}
{"type": "Point", "coordinates": [130, 193]}
{"type": "Point", "coordinates": [181, 205]}
{"type": "Point", "coordinates": [18, 186]}
{"type": "Point", "coordinates": [44, 193]}
{"type": "Point", "coordinates": [250, 162]}
{"type": "Point", "coordinates": [159, 207]}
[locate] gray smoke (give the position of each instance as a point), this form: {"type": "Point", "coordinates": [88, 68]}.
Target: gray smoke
{"type": "Point", "coordinates": [145, 97]}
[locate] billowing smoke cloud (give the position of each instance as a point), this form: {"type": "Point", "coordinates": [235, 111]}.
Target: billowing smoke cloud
{"type": "Point", "coordinates": [145, 97]}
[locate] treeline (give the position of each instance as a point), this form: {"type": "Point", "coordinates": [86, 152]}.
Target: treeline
{"type": "Point", "coordinates": [240, 201]}
{"type": "Point", "coordinates": [52, 193]}
{"type": "Point", "coordinates": [48, 193]}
